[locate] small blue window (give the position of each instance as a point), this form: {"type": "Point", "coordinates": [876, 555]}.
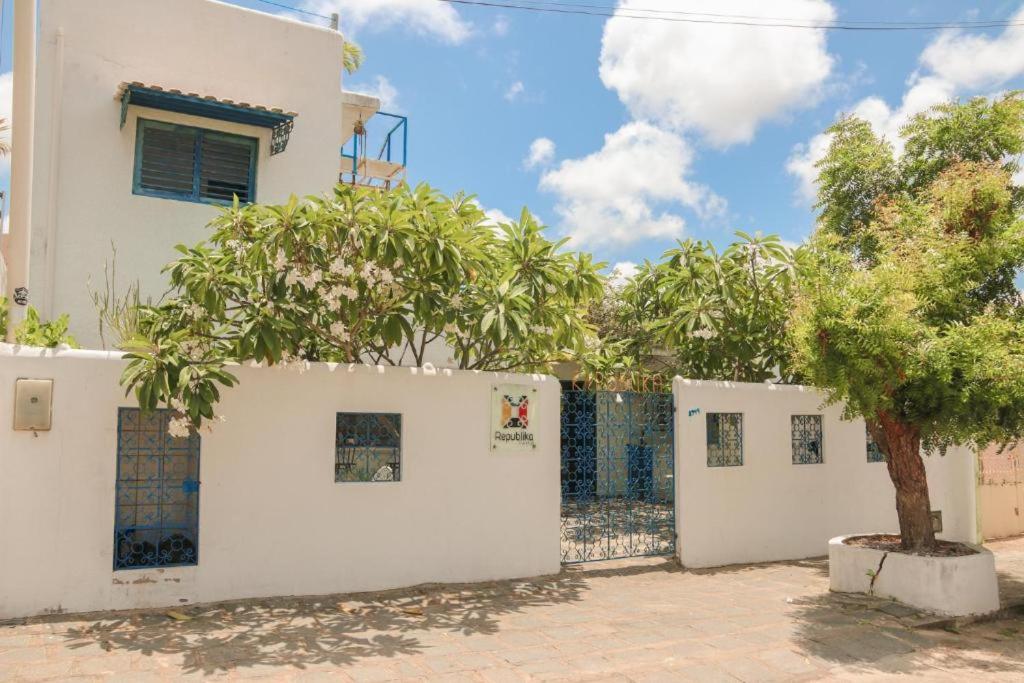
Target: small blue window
{"type": "Point", "coordinates": [194, 164]}
{"type": "Point", "coordinates": [875, 453]}
{"type": "Point", "coordinates": [157, 510]}
{"type": "Point", "coordinates": [725, 439]}
{"type": "Point", "coordinates": [807, 440]}
{"type": "Point", "coordinates": [368, 447]}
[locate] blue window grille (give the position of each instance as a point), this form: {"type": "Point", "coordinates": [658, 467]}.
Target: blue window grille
{"type": "Point", "coordinates": [194, 164]}
{"type": "Point", "coordinates": [874, 450]}
{"type": "Point", "coordinates": [725, 439]}
{"type": "Point", "coordinates": [807, 440]}
{"type": "Point", "coordinates": [368, 447]}
{"type": "Point", "coordinates": [157, 509]}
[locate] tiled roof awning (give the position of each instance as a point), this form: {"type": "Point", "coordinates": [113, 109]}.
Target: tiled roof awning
{"type": "Point", "coordinates": [279, 121]}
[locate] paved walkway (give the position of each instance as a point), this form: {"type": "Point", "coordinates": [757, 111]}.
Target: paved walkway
{"type": "Point", "coordinates": [642, 621]}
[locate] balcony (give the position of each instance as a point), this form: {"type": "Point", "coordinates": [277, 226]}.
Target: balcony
{"type": "Point", "coordinates": [374, 143]}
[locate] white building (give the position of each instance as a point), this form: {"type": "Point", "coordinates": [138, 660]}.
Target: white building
{"type": "Point", "coordinates": [149, 114]}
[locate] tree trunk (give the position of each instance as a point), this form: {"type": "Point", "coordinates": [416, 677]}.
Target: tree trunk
{"type": "Point", "coordinates": [901, 444]}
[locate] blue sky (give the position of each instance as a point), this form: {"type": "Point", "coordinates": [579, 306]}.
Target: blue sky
{"type": "Point", "coordinates": [652, 130]}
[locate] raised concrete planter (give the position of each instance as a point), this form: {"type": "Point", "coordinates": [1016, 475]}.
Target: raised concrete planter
{"type": "Point", "coordinates": [951, 586]}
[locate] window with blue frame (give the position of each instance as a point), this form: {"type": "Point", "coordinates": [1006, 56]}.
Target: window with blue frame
{"type": "Point", "coordinates": [874, 450]}
{"type": "Point", "coordinates": [725, 439]}
{"type": "Point", "coordinates": [807, 440]}
{"type": "Point", "coordinates": [157, 508]}
{"type": "Point", "coordinates": [194, 164]}
{"type": "Point", "coordinates": [368, 447]}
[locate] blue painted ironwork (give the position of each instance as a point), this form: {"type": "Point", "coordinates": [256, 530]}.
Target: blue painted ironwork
{"type": "Point", "coordinates": [874, 450]}
{"type": "Point", "coordinates": [279, 122]}
{"type": "Point", "coordinates": [368, 447]}
{"type": "Point", "coordinates": [724, 439]}
{"type": "Point", "coordinates": [193, 164]}
{"type": "Point", "coordinates": [156, 519]}
{"type": "Point", "coordinates": [618, 468]}
{"type": "Point", "coordinates": [807, 440]}
{"type": "Point", "coordinates": [389, 147]}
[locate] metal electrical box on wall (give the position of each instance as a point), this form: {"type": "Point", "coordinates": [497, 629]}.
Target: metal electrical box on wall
{"type": "Point", "coordinates": [33, 404]}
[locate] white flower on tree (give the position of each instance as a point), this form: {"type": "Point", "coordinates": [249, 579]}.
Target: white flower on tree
{"type": "Point", "coordinates": [339, 331]}
{"type": "Point", "coordinates": [179, 427]}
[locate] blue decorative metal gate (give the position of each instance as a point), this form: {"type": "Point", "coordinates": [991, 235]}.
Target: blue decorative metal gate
{"type": "Point", "coordinates": [156, 520]}
{"type": "Point", "coordinates": [618, 465]}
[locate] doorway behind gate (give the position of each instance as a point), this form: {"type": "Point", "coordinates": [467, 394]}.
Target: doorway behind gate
{"type": "Point", "coordinates": [618, 486]}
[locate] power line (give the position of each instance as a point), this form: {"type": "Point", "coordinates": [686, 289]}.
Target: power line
{"type": "Point", "coordinates": [564, 8]}
{"type": "Point", "coordinates": [294, 9]}
{"type": "Point", "coordinates": [987, 23]}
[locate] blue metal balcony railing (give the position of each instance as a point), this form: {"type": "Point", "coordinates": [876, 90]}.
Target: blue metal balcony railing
{"type": "Point", "coordinates": [361, 167]}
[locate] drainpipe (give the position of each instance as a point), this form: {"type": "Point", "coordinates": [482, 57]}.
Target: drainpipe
{"type": "Point", "coordinates": [53, 186]}
{"type": "Point", "coordinates": [19, 239]}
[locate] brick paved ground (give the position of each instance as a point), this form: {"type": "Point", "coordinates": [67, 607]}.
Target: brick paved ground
{"type": "Point", "coordinates": [641, 621]}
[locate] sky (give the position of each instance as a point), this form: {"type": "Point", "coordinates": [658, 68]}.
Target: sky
{"type": "Point", "coordinates": [626, 135]}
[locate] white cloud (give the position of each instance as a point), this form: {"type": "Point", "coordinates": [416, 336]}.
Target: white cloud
{"type": "Point", "coordinates": [720, 80]}
{"type": "Point", "coordinates": [514, 91]}
{"type": "Point", "coordinates": [954, 63]}
{"type": "Point", "coordinates": [542, 153]}
{"type": "Point", "coordinates": [622, 272]}
{"type": "Point", "coordinates": [977, 60]}
{"type": "Point", "coordinates": [382, 89]}
{"type": "Point", "coordinates": [423, 17]}
{"type": "Point", "coordinates": [500, 26]}
{"type": "Point", "coordinates": [496, 216]}
{"type": "Point", "coordinates": [492, 216]}
{"type": "Point", "coordinates": [613, 196]}
{"type": "Point", "coordinates": [924, 92]}
{"type": "Point", "coordinates": [801, 164]}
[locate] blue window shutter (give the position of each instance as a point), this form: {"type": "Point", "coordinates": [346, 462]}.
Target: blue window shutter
{"type": "Point", "coordinates": [194, 164]}
{"type": "Point", "coordinates": [166, 161]}
{"type": "Point", "coordinates": [226, 167]}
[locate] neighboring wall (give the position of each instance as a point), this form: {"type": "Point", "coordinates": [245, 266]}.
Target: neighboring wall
{"type": "Point", "coordinates": [272, 521]}
{"type": "Point", "coordinates": [84, 162]}
{"type": "Point", "coordinates": [1001, 492]}
{"type": "Point", "coordinates": [771, 509]}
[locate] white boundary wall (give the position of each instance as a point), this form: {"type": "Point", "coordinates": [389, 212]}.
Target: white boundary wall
{"type": "Point", "coordinates": [272, 521]}
{"type": "Point", "coordinates": [769, 508]}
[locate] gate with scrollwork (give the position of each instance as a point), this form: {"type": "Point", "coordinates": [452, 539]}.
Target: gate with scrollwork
{"type": "Point", "coordinates": [618, 466]}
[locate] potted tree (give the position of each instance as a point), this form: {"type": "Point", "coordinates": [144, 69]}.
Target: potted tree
{"type": "Point", "coordinates": [907, 312]}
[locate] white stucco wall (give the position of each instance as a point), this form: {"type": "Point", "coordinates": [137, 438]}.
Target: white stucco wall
{"type": "Point", "coordinates": [84, 161]}
{"type": "Point", "coordinates": [769, 508]}
{"type": "Point", "coordinates": [272, 521]}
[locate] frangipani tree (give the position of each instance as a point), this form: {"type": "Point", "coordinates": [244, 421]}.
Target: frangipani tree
{"type": "Point", "coordinates": [701, 314]}
{"type": "Point", "coordinates": [907, 309]}
{"type": "Point", "coordinates": [359, 276]}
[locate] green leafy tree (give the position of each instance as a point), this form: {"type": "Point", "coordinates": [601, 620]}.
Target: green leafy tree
{"type": "Point", "coordinates": [359, 276]}
{"type": "Point", "coordinates": [701, 314]}
{"type": "Point", "coordinates": [352, 57]}
{"type": "Point", "coordinates": [34, 331]}
{"type": "Point", "coordinates": [907, 310]}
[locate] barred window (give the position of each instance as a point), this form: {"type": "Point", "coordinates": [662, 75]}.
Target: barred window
{"type": "Point", "coordinates": [725, 439]}
{"type": "Point", "coordinates": [194, 164]}
{"type": "Point", "coordinates": [156, 522]}
{"type": "Point", "coordinates": [368, 447]}
{"type": "Point", "coordinates": [874, 450]}
{"type": "Point", "coordinates": [807, 442]}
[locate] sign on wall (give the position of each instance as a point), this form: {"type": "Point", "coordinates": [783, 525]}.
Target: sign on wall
{"type": "Point", "coordinates": [513, 407]}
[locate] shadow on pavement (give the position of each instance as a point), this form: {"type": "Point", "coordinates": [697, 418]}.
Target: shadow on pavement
{"type": "Point", "coordinates": [337, 630]}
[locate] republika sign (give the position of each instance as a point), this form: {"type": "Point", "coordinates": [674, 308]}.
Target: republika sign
{"type": "Point", "coordinates": [512, 408]}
